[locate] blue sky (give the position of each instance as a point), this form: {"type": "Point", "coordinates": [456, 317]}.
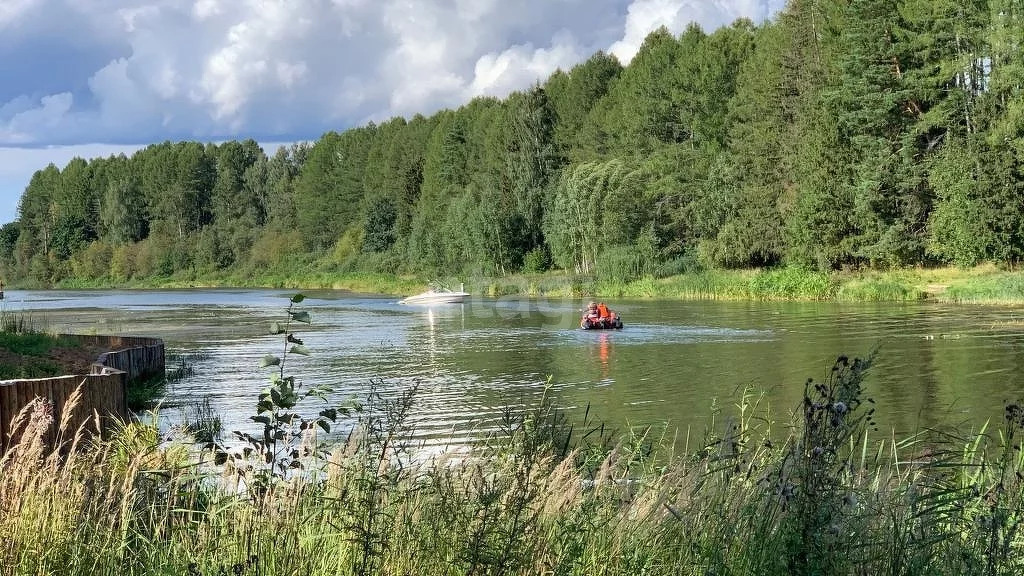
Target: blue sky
{"type": "Point", "coordinates": [98, 77]}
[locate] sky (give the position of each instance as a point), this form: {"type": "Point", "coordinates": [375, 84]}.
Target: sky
{"type": "Point", "coordinates": [92, 78]}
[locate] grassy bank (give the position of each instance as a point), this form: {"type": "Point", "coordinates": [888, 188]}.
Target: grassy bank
{"type": "Point", "coordinates": [811, 496]}
{"type": "Point", "coordinates": [27, 355]}
{"type": "Point", "coordinates": [977, 286]}
{"type": "Point", "coordinates": [981, 285]}
{"type": "Point", "coordinates": [27, 351]}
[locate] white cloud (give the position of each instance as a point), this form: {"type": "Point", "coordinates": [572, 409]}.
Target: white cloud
{"type": "Point", "coordinates": [520, 66]}
{"type": "Point", "coordinates": [47, 114]}
{"type": "Point", "coordinates": [645, 16]}
{"type": "Point", "coordinates": [11, 10]}
{"type": "Point", "coordinates": [137, 71]}
{"type": "Point", "coordinates": [204, 9]}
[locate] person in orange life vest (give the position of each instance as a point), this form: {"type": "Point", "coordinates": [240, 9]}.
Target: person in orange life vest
{"type": "Point", "coordinates": [602, 311]}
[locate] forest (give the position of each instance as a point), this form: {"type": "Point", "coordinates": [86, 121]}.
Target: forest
{"type": "Point", "coordinates": [840, 135]}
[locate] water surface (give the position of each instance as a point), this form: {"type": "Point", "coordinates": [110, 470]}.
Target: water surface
{"type": "Point", "coordinates": [936, 365]}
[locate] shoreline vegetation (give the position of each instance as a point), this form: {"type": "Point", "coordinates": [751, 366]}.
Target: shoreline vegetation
{"type": "Point", "coordinates": [833, 137]}
{"type": "Point", "coordinates": [983, 285]}
{"type": "Point", "coordinates": [819, 494]}
{"type": "Point", "coordinates": [28, 350]}
{"type": "Point", "coordinates": [548, 491]}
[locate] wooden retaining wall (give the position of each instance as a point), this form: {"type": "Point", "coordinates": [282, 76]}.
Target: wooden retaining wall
{"type": "Point", "coordinates": [102, 395]}
{"type": "Point", "coordinates": [138, 357]}
{"type": "Point", "coordinates": [104, 389]}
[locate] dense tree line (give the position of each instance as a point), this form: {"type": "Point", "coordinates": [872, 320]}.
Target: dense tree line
{"type": "Point", "coordinates": [868, 133]}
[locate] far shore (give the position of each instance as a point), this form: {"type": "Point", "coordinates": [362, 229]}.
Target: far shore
{"type": "Point", "coordinates": [985, 284]}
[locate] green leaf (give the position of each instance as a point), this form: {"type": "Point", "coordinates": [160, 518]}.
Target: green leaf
{"type": "Point", "coordinates": [275, 328]}
{"type": "Point", "coordinates": [300, 350]}
{"type": "Point", "coordinates": [302, 316]}
{"type": "Point", "coordinates": [275, 396]}
{"type": "Point", "coordinates": [298, 298]}
{"type": "Point", "coordinates": [269, 360]}
{"type": "Point", "coordinates": [323, 424]}
{"type": "Point", "coordinates": [265, 420]}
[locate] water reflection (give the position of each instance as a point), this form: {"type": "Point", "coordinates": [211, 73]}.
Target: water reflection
{"type": "Point", "coordinates": [605, 353]}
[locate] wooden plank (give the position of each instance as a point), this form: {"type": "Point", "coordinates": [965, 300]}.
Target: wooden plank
{"type": "Point", "coordinates": [6, 404]}
{"type": "Point", "coordinates": [104, 393]}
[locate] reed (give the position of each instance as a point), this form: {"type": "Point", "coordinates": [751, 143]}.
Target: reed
{"type": "Point", "coordinates": [682, 279]}
{"type": "Point", "coordinates": [810, 496]}
{"type": "Point", "coordinates": [997, 288]}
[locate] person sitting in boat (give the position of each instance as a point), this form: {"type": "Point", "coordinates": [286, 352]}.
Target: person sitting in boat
{"type": "Point", "coordinates": [600, 316]}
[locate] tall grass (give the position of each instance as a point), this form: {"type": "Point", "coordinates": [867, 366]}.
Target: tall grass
{"type": "Point", "coordinates": [538, 497]}
{"type": "Point", "coordinates": [998, 288]}
{"type": "Point", "coordinates": [679, 279]}
{"type": "Point", "coordinates": [21, 336]}
{"type": "Point", "coordinates": [19, 322]}
{"type": "Point", "coordinates": [766, 284]}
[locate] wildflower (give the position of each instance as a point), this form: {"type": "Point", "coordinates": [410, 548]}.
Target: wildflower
{"type": "Point", "coordinates": [839, 407]}
{"type": "Point", "coordinates": [818, 451]}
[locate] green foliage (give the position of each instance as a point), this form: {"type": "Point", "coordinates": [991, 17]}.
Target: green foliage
{"type": "Point", "coordinates": [874, 134]}
{"type": "Point", "coordinates": [288, 437]}
{"type": "Point", "coordinates": [31, 347]}
{"type": "Point", "coordinates": [686, 264]}
{"type": "Point", "coordinates": [620, 264]}
{"type": "Point", "coordinates": [348, 246]}
{"type": "Point", "coordinates": [330, 186]}
{"type": "Point", "coordinates": [536, 260]}
{"type": "Point", "coordinates": [123, 212]}
{"type": "Point", "coordinates": [574, 94]}
{"type": "Point", "coordinates": [878, 290]}
{"type": "Point", "coordinates": [544, 493]}
{"type": "Point", "coordinates": [275, 247]}
{"type": "Point", "coordinates": [380, 226]}
{"type": "Point", "coordinates": [93, 262]}
{"type": "Point", "coordinates": [594, 206]}
{"type": "Point", "coordinates": [960, 232]}
{"type": "Point", "coordinates": [791, 283]}
{"type": "Point", "coordinates": [1005, 287]}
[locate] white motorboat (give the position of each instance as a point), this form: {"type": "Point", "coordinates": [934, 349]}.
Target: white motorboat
{"type": "Point", "coordinates": [433, 296]}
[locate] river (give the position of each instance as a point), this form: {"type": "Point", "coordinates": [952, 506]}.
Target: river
{"type": "Point", "coordinates": [935, 365]}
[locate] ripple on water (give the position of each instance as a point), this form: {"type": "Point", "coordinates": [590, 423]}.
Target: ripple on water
{"type": "Point", "coordinates": [666, 334]}
{"type": "Point", "coordinates": [667, 364]}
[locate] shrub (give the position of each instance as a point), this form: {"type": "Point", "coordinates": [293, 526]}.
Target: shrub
{"type": "Point", "coordinates": [93, 262]}
{"type": "Point", "coordinates": [620, 264]}
{"type": "Point", "coordinates": [537, 260]}
{"type": "Point", "coordinates": [122, 262]}
{"type": "Point", "coordinates": [688, 263]}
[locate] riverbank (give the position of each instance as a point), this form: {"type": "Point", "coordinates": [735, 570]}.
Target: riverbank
{"type": "Point", "coordinates": [980, 285]}
{"type": "Point", "coordinates": [538, 496]}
